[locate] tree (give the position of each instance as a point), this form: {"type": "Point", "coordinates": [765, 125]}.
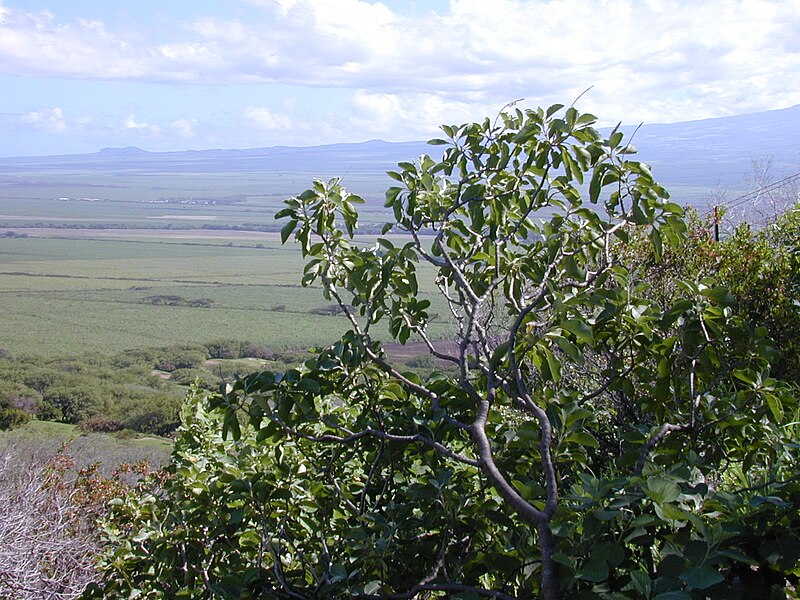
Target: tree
{"type": "Point", "coordinates": [583, 439]}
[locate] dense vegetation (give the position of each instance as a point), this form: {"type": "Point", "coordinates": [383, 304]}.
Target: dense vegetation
{"type": "Point", "coordinates": [610, 424]}
{"type": "Point", "coordinates": [139, 391]}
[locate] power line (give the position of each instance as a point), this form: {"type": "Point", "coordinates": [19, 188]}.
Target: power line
{"type": "Point", "coordinates": [754, 195]}
{"type": "Point", "coordinates": [763, 190]}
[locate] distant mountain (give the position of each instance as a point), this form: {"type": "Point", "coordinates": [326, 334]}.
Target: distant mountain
{"type": "Point", "coordinates": [375, 156]}
{"type": "Point", "coordinates": [691, 159]}
{"type": "Point", "coordinates": [720, 151]}
{"type": "Point", "coordinates": [127, 151]}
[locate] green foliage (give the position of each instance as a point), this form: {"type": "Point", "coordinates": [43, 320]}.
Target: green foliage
{"type": "Point", "coordinates": [89, 391]}
{"type": "Point", "coordinates": [234, 520]}
{"type": "Point", "coordinates": [13, 417]}
{"type": "Point", "coordinates": [762, 269]}
{"type": "Point", "coordinates": [155, 414]}
{"type": "Point", "coordinates": [592, 439]}
{"type": "Point", "coordinates": [76, 402]}
{"type": "Point", "coordinates": [180, 357]}
{"type": "Point", "coordinates": [187, 377]}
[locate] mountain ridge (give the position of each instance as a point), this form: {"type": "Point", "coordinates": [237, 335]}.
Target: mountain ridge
{"type": "Point", "coordinates": [690, 158]}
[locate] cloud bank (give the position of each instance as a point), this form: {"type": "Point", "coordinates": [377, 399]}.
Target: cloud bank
{"type": "Point", "coordinates": [650, 60]}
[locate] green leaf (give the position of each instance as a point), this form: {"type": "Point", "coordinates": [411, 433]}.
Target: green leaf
{"type": "Point", "coordinates": [721, 295]}
{"type": "Point", "coordinates": [308, 384]}
{"type": "Point", "coordinates": [702, 577]}
{"type": "Point", "coordinates": [580, 329]}
{"type": "Point", "coordinates": [775, 407]}
{"type": "Point", "coordinates": [662, 490]}
{"type": "Point", "coordinates": [595, 569]}
{"type": "Point", "coordinates": [582, 438]}
{"type": "Point", "coordinates": [641, 583]}
{"type": "Point", "coordinates": [287, 230]}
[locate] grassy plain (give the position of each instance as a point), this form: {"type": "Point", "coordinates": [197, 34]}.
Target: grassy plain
{"type": "Point", "coordinates": [87, 291]}
{"type": "Point", "coordinates": [107, 231]}
{"type": "Point", "coordinates": [157, 200]}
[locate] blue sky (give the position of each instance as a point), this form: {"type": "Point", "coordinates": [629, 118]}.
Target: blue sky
{"type": "Point", "coordinates": [76, 76]}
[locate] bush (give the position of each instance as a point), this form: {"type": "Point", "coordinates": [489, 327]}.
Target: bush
{"type": "Point", "coordinates": [171, 359]}
{"type": "Point", "coordinates": [425, 361]}
{"type": "Point", "coordinates": [30, 404]}
{"type": "Point", "coordinates": [157, 416]}
{"type": "Point", "coordinates": [18, 395]}
{"type": "Point", "coordinates": [329, 310]}
{"type": "Point", "coordinates": [232, 349]}
{"type": "Point", "coordinates": [40, 379]}
{"type": "Point", "coordinates": [48, 412]}
{"type": "Point", "coordinates": [189, 376]}
{"type": "Point", "coordinates": [131, 358]}
{"type": "Point", "coordinates": [13, 417]}
{"type": "Point", "coordinates": [762, 270]}
{"type": "Point", "coordinates": [99, 424]}
{"type": "Point", "coordinates": [224, 349]}
{"type": "Point", "coordinates": [49, 539]}
{"type": "Point", "coordinates": [253, 350]}
{"type": "Point", "coordinates": [76, 402]}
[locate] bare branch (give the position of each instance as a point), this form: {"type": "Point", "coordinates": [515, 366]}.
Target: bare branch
{"type": "Point", "coordinates": [663, 432]}
{"type": "Point", "coordinates": [352, 437]}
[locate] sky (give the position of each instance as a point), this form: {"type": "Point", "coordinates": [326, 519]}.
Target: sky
{"type": "Point", "coordinates": [80, 75]}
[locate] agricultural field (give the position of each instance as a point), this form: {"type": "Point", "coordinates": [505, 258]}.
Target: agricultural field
{"type": "Point", "coordinates": [119, 188]}
{"type": "Point", "coordinates": [69, 292]}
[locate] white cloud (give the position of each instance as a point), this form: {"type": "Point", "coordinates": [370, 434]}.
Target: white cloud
{"type": "Point", "coordinates": [184, 127]}
{"type": "Point", "coordinates": [650, 60]}
{"type": "Point", "coordinates": [411, 116]}
{"type": "Point", "coordinates": [50, 120]}
{"type": "Point", "coordinates": [130, 122]}
{"type": "Point", "coordinates": [264, 118]}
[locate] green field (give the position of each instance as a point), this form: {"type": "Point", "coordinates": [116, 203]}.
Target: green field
{"type": "Point", "coordinates": [157, 200]}
{"type": "Point", "coordinates": [72, 295]}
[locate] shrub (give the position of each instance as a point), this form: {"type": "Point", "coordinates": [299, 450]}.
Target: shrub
{"type": "Point", "coordinates": [76, 402]}
{"type": "Point", "coordinates": [99, 424]}
{"type": "Point", "coordinates": [30, 404]}
{"type": "Point", "coordinates": [592, 442]}
{"type": "Point", "coordinates": [157, 416]}
{"type": "Point", "coordinates": [762, 270]}
{"type": "Point", "coordinates": [224, 349]}
{"type": "Point", "coordinates": [48, 412]}
{"type": "Point", "coordinates": [18, 395]}
{"type": "Point", "coordinates": [170, 359]}
{"type": "Point", "coordinates": [13, 417]}
{"type": "Point", "coordinates": [49, 539]}
{"type": "Point", "coordinates": [329, 310]}
{"type": "Point", "coordinates": [253, 350]}
{"type": "Point", "coordinates": [425, 361]}
{"type": "Point", "coordinates": [189, 376]}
